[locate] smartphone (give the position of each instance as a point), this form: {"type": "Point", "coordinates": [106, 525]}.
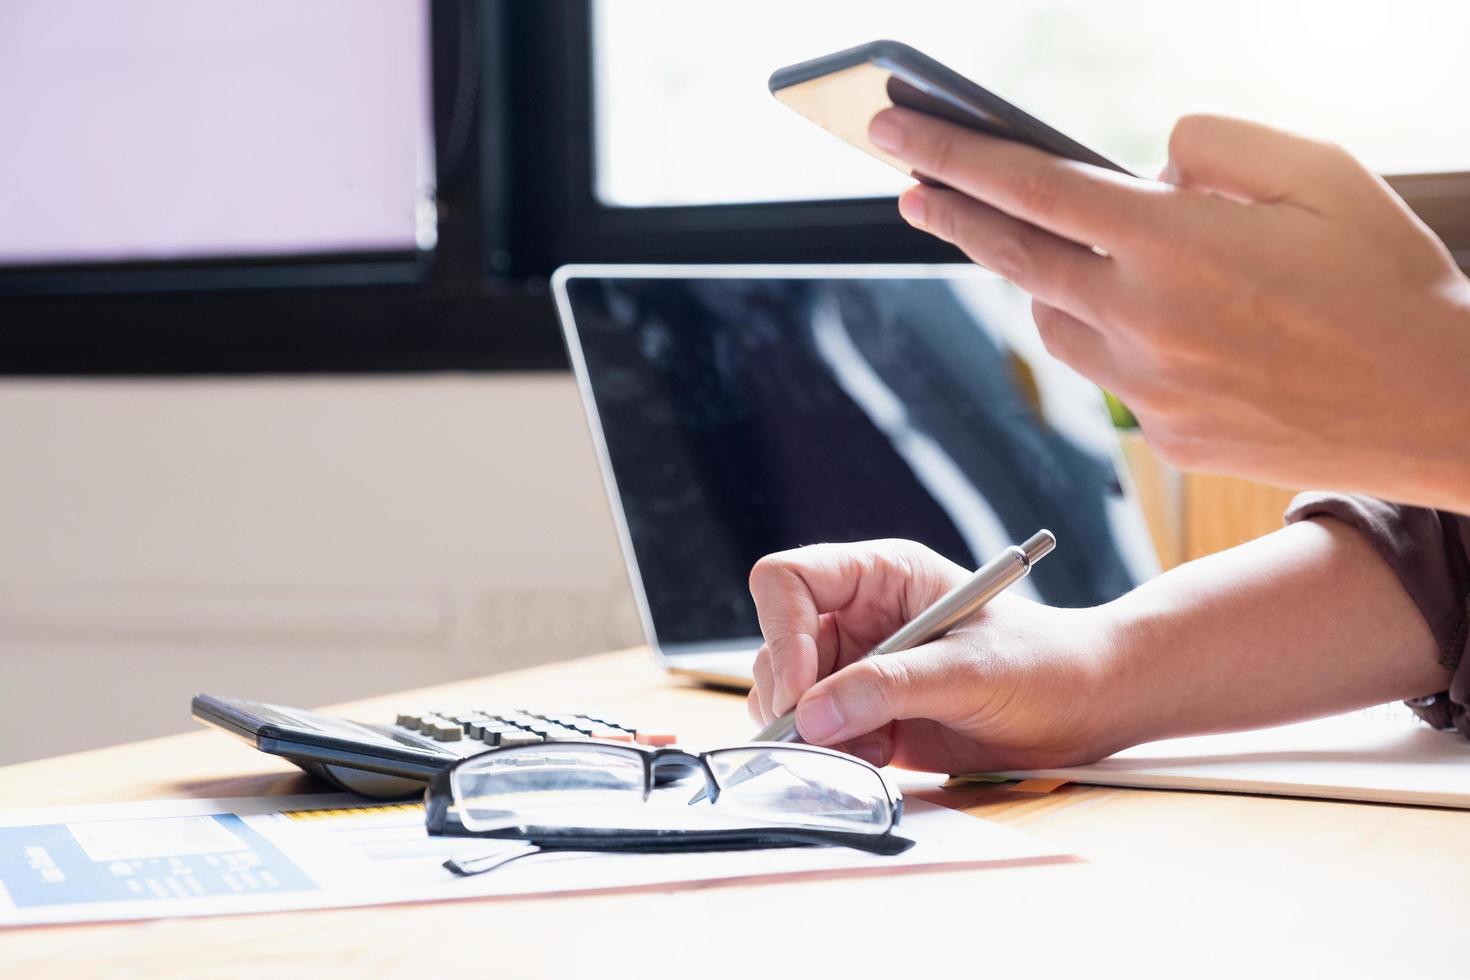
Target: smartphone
{"type": "Point", "coordinates": [841, 92]}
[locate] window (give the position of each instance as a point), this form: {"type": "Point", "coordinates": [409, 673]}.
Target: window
{"type": "Point", "coordinates": [355, 185]}
{"type": "Point", "coordinates": [264, 186]}
{"type": "Point", "coordinates": [167, 129]}
{"type": "Point", "coordinates": [683, 116]}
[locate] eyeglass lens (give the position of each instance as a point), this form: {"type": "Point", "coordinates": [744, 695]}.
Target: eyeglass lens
{"type": "Point", "coordinates": [583, 785]}
{"type": "Point", "coordinates": [801, 789]}
{"type": "Point", "coordinates": [554, 786]}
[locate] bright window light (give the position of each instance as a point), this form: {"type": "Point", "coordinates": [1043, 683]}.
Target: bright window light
{"type": "Point", "coordinates": [683, 115]}
{"type": "Point", "coordinates": [165, 129]}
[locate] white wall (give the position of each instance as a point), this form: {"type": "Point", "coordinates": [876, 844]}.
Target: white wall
{"type": "Point", "coordinates": [300, 540]}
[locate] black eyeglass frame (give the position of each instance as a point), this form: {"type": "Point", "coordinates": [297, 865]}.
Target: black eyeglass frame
{"type": "Point", "coordinates": [441, 819]}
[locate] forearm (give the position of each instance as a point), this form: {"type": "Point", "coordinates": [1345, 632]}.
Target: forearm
{"type": "Point", "coordinates": [1304, 622]}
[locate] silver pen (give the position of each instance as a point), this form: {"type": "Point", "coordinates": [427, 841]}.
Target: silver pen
{"type": "Point", "coordinates": [989, 581]}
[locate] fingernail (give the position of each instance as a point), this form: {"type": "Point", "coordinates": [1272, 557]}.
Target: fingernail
{"type": "Point", "coordinates": [870, 750]}
{"type": "Point", "coordinates": [885, 132]}
{"type": "Point", "coordinates": [911, 206]}
{"type": "Point", "coordinates": [818, 719]}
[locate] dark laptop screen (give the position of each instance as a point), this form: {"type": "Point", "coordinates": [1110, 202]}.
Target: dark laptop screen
{"type": "Point", "coordinates": [748, 415]}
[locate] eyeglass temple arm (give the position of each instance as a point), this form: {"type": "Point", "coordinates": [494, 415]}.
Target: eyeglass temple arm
{"type": "Point", "coordinates": [465, 867]}
{"type": "Point", "coordinates": [883, 844]}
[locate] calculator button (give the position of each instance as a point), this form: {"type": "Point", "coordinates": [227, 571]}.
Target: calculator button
{"type": "Point", "coordinates": [446, 731]}
{"type": "Point", "coordinates": [477, 729]}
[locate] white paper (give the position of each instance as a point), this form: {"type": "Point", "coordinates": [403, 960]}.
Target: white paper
{"type": "Point", "coordinates": [115, 861]}
{"type": "Point", "coordinates": [1378, 756]}
{"type": "Point", "coordinates": [125, 840]}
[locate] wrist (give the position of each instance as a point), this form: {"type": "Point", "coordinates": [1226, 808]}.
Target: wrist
{"type": "Point", "coordinates": [1425, 451]}
{"type": "Point", "coordinates": [1411, 448]}
{"type": "Point", "coordinates": [1133, 703]}
{"type": "Point", "coordinates": [1456, 495]}
{"type": "Point", "coordinates": [1113, 678]}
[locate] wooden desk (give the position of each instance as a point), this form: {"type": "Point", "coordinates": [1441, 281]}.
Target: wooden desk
{"type": "Point", "coordinates": [1168, 879]}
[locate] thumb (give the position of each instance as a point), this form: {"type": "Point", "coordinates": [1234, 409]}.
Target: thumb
{"type": "Point", "coordinates": [1250, 162]}
{"type": "Point", "coordinates": [870, 693]}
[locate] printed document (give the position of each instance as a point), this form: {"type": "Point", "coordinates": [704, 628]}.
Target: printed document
{"type": "Point", "coordinates": [218, 857]}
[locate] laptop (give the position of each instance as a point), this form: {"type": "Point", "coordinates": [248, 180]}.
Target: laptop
{"type": "Point", "coordinates": [743, 410]}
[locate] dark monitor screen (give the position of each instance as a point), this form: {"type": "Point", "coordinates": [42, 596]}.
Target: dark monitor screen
{"type": "Point", "coordinates": [743, 413]}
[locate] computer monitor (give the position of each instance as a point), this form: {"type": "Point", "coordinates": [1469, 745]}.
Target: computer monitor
{"type": "Point", "coordinates": [740, 411]}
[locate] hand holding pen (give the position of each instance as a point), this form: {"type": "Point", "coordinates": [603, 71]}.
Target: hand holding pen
{"type": "Point", "coordinates": [1007, 689]}
{"type": "Point", "coordinates": [965, 599]}
{"type": "Point", "coordinates": [933, 621]}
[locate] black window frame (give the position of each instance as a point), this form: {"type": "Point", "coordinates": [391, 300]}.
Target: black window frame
{"type": "Point", "coordinates": [455, 307]}
{"type": "Point", "coordinates": [514, 83]}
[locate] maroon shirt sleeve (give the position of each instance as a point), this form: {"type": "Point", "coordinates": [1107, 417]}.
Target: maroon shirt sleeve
{"type": "Point", "coordinates": [1429, 550]}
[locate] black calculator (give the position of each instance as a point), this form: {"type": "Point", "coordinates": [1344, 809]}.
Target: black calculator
{"type": "Point", "coordinates": [395, 760]}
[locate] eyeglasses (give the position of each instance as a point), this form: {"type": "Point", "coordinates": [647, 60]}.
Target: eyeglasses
{"type": "Point", "coordinates": [590, 795]}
